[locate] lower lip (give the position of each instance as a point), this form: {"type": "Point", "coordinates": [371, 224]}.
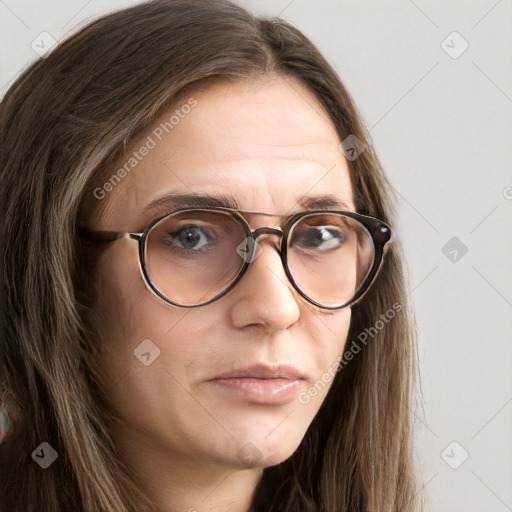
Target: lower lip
{"type": "Point", "coordinates": [260, 391]}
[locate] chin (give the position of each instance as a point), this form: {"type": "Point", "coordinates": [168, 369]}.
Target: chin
{"type": "Point", "coordinates": [267, 452]}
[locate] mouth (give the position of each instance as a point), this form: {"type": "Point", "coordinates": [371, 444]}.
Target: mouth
{"type": "Point", "coordinates": [265, 384]}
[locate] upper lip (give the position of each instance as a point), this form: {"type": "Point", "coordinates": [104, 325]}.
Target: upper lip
{"type": "Point", "coordinates": [263, 371]}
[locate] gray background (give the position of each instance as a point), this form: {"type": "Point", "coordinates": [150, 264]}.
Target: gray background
{"type": "Point", "coordinates": [441, 126]}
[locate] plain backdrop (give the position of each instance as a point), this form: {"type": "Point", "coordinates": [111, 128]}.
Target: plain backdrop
{"type": "Point", "coordinates": [433, 81]}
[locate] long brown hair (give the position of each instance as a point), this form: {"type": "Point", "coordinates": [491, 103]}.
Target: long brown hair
{"type": "Point", "coordinates": [62, 125]}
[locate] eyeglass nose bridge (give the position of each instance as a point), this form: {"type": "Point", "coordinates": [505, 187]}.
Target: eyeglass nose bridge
{"type": "Point", "coordinates": [252, 243]}
{"type": "Point", "coordinates": [266, 230]}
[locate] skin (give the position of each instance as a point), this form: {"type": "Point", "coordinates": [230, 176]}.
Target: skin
{"type": "Point", "coordinates": [268, 143]}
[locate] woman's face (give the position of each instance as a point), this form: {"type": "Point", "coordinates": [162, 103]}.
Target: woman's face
{"type": "Point", "coordinates": [269, 145]}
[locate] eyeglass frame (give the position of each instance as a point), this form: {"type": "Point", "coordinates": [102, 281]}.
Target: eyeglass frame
{"type": "Point", "coordinates": [379, 231]}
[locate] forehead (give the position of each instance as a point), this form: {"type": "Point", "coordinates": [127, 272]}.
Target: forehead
{"type": "Point", "coordinates": [267, 142]}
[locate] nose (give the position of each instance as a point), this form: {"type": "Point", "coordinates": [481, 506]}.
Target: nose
{"type": "Point", "coordinates": [264, 296]}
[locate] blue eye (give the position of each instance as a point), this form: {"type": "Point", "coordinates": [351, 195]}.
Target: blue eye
{"type": "Point", "coordinates": [189, 238]}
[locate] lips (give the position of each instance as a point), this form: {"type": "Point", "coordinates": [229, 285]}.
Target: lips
{"type": "Point", "coordinates": [263, 384]}
{"type": "Point", "coordinates": [263, 371]}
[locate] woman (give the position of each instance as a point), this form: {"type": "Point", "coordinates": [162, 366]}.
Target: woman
{"type": "Point", "coordinates": [202, 307]}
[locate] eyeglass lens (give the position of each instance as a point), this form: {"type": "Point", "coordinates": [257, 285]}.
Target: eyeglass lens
{"type": "Point", "coordinates": [192, 256]}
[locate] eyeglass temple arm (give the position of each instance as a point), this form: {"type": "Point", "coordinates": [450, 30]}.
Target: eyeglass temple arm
{"type": "Point", "coordinates": [106, 236]}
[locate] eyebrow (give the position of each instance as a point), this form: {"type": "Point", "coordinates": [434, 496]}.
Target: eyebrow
{"type": "Point", "coordinates": [174, 201]}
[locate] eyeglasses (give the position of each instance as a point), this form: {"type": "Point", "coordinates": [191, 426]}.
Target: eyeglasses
{"type": "Point", "coordinates": [193, 256]}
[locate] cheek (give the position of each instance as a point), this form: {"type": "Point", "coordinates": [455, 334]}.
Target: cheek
{"type": "Point", "coordinates": [329, 331]}
{"type": "Point", "coordinates": [147, 347]}
{"type": "Point", "coordinates": [126, 310]}
{"type": "Point", "coordinates": [129, 319]}
{"type": "Point", "coordinates": [328, 337]}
